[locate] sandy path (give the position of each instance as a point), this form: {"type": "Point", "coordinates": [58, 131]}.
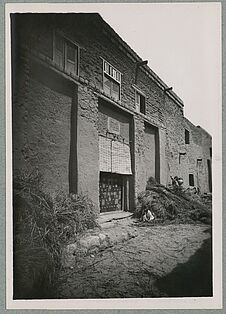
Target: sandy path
{"type": "Point", "coordinates": [133, 268]}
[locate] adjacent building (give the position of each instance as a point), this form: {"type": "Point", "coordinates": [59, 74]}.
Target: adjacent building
{"type": "Point", "coordinates": [91, 117]}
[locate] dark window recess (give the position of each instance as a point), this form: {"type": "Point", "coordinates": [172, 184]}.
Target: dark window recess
{"type": "Point", "coordinates": [210, 151]}
{"type": "Point", "coordinates": [191, 180]}
{"type": "Point", "coordinates": [140, 103]}
{"type": "Point", "coordinates": [209, 174]}
{"type": "Point", "coordinates": [187, 137]}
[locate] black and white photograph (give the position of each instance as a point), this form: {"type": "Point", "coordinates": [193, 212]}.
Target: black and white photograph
{"type": "Point", "coordinates": [114, 132]}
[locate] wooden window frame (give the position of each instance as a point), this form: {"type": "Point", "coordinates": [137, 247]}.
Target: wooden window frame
{"type": "Point", "coordinates": [66, 43]}
{"type": "Point", "coordinates": [113, 75]}
{"type": "Point", "coordinates": [138, 105]}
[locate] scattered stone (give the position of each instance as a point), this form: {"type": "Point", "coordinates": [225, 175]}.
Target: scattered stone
{"type": "Point", "coordinates": [90, 244]}
{"type": "Point", "coordinates": [68, 255]}
{"type": "Point", "coordinates": [89, 241]}
{"type": "Point", "coordinates": [102, 237]}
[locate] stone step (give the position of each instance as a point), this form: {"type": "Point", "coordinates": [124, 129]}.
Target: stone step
{"type": "Point", "coordinates": [120, 228]}
{"type": "Point", "coordinates": [111, 216]}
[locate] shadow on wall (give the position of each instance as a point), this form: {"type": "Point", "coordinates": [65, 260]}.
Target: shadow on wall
{"type": "Point", "coordinates": [192, 279]}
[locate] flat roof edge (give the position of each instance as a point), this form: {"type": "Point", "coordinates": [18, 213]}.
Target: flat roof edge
{"type": "Point", "coordinates": [155, 77]}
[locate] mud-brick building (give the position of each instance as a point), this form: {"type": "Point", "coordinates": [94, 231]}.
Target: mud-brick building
{"type": "Point", "coordinates": [91, 117]}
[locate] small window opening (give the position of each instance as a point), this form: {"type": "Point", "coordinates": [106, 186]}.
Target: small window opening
{"type": "Point", "coordinates": [187, 137]}
{"type": "Point", "coordinates": [66, 54]}
{"type": "Point", "coordinates": [140, 103]}
{"type": "Point", "coordinates": [210, 151]}
{"type": "Point", "coordinates": [191, 179]}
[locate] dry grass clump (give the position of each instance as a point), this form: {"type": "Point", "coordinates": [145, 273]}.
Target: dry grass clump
{"type": "Point", "coordinates": [172, 204]}
{"type": "Point", "coordinates": [42, 226]}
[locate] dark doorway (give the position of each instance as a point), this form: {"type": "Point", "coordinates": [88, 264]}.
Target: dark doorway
{"type": "Point", "coordinates": [209, 174]}
{"type": "Point", "coordinates": [112, 192]}
{"type": "Point", "coordinates": [151, 152]}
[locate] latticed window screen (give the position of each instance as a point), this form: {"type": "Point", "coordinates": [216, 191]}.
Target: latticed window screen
{"type": "Point", "coordinates": [114, 156]}
{"type": "Point", "coordinates": [111, 80]}
{"type": "Point", "coordinates": [121, 161]}
{"type": "Point", "coordinates": [105, 154]}
{"type": "Point", "coordinates": [112, 72]}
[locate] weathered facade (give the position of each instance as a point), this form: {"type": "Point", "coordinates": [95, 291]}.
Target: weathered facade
{"type": "Point", "coordinates": [92, 117]}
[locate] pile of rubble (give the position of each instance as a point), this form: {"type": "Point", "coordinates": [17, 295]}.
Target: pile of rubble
{"type": "Point", "coordinates": [161, 204]}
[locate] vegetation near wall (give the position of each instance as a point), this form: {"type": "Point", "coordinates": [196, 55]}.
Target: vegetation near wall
{"type": "Point", "coordinates": [174, 204]}
{"type": "Point", "coordinates": [43, 225]}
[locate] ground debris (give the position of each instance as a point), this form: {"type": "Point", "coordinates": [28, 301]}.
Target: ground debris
{"type": "Point", "coordinates": [131, 269]}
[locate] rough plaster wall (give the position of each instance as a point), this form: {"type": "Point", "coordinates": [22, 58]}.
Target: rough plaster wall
{"type": "Point", "coordinates": [87, 145]}
{"type": "Point", "coordinates": [186, 163]}
{"type": "Point", "coordinates": [140, 173]}
{"type": "Point", "coordinates": [164, 167]}
{"type": "Point", "coordinates": [154, 98]}
{"type": "Point", "coordinates": [173, 120]}
{"type": "Point", "coordinates": [42, 133]}
{"type": "Point", "coordinates": [198, 148]}
{"type": "Point", "coordinates": [206, 145]}
{"type": "Point", "coordinates": [200, 143]}
{"type": "Point", "coordinates": [161, 110]}
{"type": "Point", "coordinates": [149, 152]}
{"type": "Point", "coordinates": [108, 111]}
{"type": "Point", "coordinates": [95, 46]}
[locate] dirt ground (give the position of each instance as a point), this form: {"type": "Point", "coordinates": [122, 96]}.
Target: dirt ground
{"type": "Point", "coordinates": [170, 260]}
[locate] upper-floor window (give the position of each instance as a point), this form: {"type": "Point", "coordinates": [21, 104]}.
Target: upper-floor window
{"type": "Point", "coordinates": [191, 179]}
{"type": "Point", "coordinates": [210, 151]}
{"type": "Point", "coordinates": [187, 137]}
{"type": "Point", "coordinates": [66, 54]}
{"type": "Point", "coordinates": [140, 102]}
{"type": "Point", "coordinates": [111, 81]}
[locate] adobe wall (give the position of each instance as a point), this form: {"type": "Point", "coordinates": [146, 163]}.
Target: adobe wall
{"type": "Point", "coordinates": [96, 44]}
{"type": "Point", "coordinates": [105, 111]}
{"type": "Point", "coordinates": [162, 112]}
{"type": "Point", "coordinates": [198, 153]}
{"type": "Point", "coordinates": [41, 128]}
{"type": "Point", "coordinates": [87, 144]}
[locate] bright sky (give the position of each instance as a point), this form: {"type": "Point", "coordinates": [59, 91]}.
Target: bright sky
{"type": "Point", "coordinates": [182, 43]}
